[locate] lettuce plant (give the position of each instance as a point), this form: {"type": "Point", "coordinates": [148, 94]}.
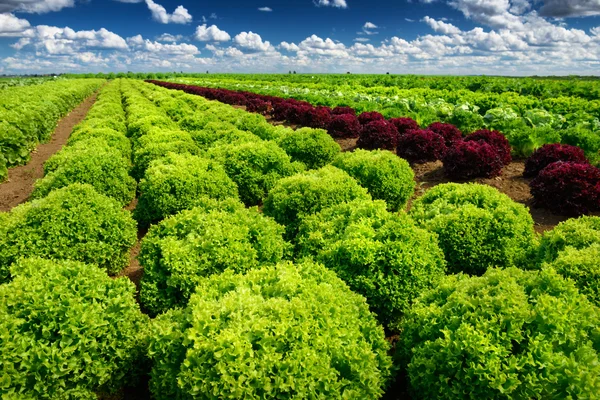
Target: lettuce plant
{"type": "Point", "coordinates": [386, 176]}
{"type": "Point", "coordinates": [378, 134]}
{"type": "Point", "coordinates": [478, 227]}
{"type": "Point", "coordinates": [176, 182]}
{"type": "Point", "coordinates": [567, 188]}
{"type": "Point", "coordinates": [449, 132]}
{"type": "Point", "coordinates": [297, 196]}
{"type": "Point", "coordinates": [344, 126]}
{"type": "Point", "coordinates": [68, 331]}
{"type": "Point", "coordinates": [472, 159]}
{"type": "Point", "coordinates": [420, 146]}
{"type": "Point", "coordinates": [577, 233]}
{"type": "Point", "coordinates": [209, 239]}
{"type": "Point", "coordinates": [267, 334]}
{"type": "Point", "coordinates": [551, 153]}
{"type": "Point", "coordinates": [381, 255]}
{"type": "Point", "coordinates": [73, 223]}
{"type": "Point", "coordinates": [494, 139]}
{"type": "Point", "coordinates": [508, 334]}
{"type": "Point", "coordinates": [312, 147]}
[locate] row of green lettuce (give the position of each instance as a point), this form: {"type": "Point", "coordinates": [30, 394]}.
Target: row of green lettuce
{"type": "Point", "coordinates": [28, 115]}
{"type": "Point", "coordinates": [292, 299]}
{"type": "Point", "coordinates": [542, 88]}
{"type": "Point", "coordinates": [526, 121]}
{"type": "Point", "coordinates": [585, 87]}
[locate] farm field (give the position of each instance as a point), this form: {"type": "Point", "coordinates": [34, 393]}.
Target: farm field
{"type": "Point", "coordinates": [300, 236]}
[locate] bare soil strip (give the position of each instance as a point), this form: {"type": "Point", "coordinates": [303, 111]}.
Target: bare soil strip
{"type": "Point", "coordinates": [19, 185]}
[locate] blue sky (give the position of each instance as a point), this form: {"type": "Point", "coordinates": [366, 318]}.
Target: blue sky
{"type": "Point", "coordinates": [508, 37]}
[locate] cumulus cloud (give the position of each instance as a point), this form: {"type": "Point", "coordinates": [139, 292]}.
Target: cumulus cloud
{"type": "Point", "coordinates": [441, 26]}
{"type": "Point", "coordinates": [12, 26]}
{"type": "Point", "coordinates": [288, 46]}
{"type": "Point", "coordinates": [138, 43]}
{"type": "Point", "coordinates": [331, 3]}
{"type": "Point", "coordinates": [160, 14]}
{"type": "Point", "coordinates": [570, 8]}
{"type": "Point", "coordinates": [34, 6]}
{"type": "Point", "coordinates": [265, 9]}
{"type": "Point", "coordinates": [167, 37]}
{"type": "Point", "coordinates": [252, 41]}
{"type": "Point", "coordinates": [211, 34]}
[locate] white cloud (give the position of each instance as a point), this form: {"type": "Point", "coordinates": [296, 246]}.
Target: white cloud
{"type": "Point", "coordinates": [160, 14]}
{"type": "Point", "coordinates": [167, 37]}
{"type": "Point", "coordinates": [332, 3]}
{"type": "Point", "coordinates": [53, 40]}
{"type": "Point", "coordinates": [362, 39]}
{"type": "Point", "coordinates": [314, 45]}
{"type": "Point", "coordinates": [211, 34]}
{"type": "Point", "coordinates": [138, 43]}
{"type": "Point", "coordinates": [12, 26]}
{"type": "Point", "coordinates": [441, 26]}
{"type": "Point", "coordinates": [368, 28]}
{"type": "Point", "coordinates": [570, 8]}
{"type": "Point", "coordinates": [252, 41]}
{"type": "Point", "coordinates": [34, 6]}
{"type": "Point", "coordinates": [288, 46]}
{"type": "Point", "coordinates": [265, 9]}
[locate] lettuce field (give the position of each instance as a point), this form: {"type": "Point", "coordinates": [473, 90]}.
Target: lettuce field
{"type": "Point", "coordinates": [301, 236]}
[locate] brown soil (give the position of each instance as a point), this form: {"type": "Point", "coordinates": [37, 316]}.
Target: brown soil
{"type": "Point", "coordinates": [135, 271]}
{"type": "Point", "coordinates": [19, 185]}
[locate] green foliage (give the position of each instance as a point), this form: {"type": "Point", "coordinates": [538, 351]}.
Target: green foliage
{"type": "Point", "coordinates": [313, 147]}
{"type": "Point", "coordinates": [73, 223]}
{"type": "Point", "coordinates": [478, 227]}
{"type": "Point", "coordinates": [582, 266]}
{"type": "Point", "coordinates": [28, 115]}
{"type": "Point", "coordinates": [206, 240]}
{"type": "Point", "coordinates": [92, 162]}
{"type": "Point", "coordinates": [257, 124]}
{"type": "Point", "coordinates": [142, 125]}
{"type": "Point", "coordinates": [158, 144]}
{"type": "Point", "coordinates": [3, 168]}
{"type": "Point", "coordinates": [385, 175]}
{"type": "Point", "coordinates": [176, 182]}
{"type": "Point", "coordinates": [268, 335]}
{"type": "Point", "coordinates": [300, 195]}
{"type": "Point", "coordinates": [578, 233]}
{"type": "Point", "coordinates": [222, 133]}
{"type": "Point", "coordinates": [67, 331]}
{"type": "Point", "coordinates": [510, 334]}
{"type": "Point", "coordinates": [255, 167]}
{"type": "Point", "coordinates": [113, 138]}
{"type": "Point", "coordinates": [381, 255]}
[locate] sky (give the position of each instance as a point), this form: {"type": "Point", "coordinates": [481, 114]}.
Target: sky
{"type": "Point", "coordinates": [462, 37]}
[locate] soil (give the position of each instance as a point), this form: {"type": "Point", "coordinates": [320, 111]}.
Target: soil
{"type": "Point", "coordinates": [19, 185]}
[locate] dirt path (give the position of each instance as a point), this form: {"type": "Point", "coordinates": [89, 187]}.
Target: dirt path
{"type": "Point", "coordinates": [19, 185]}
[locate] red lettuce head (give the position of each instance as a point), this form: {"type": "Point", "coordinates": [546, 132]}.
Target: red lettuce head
{"type": "Point", "coordinates": [344, 126]}
{"type": "Point", "coordinates": [449, 132]}
{"type": "Point", "coordinates": [378, 134]}
{"type": "Point", "coordinates": [339, 110]}
{"type": "Point", "coordinates": [567, 188]}
{"type": "Point", "coordinates": [551, 153]}
{"type": "Point", "coordinates": [496, 140]}
{"type": "Point", "coordinates": [472, 159]}
{"type": "Point", "coordinates": [368, 117]}
{"type": "Point", "coordinates": [404, 124]}
{"type": "Point", "coordinates": [420, 146]}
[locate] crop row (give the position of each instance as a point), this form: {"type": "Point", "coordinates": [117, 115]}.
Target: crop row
{"type": "Point", "coordinates": [571, 189]}
{"type": "Point", "coordinates": [292, 299]}
{"type": "Point", "coordinates": [28, 115]}
{"type": "Point", "coordinates": [541, 88]}
{"type": "Point", "coordinates": [526, 121]}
